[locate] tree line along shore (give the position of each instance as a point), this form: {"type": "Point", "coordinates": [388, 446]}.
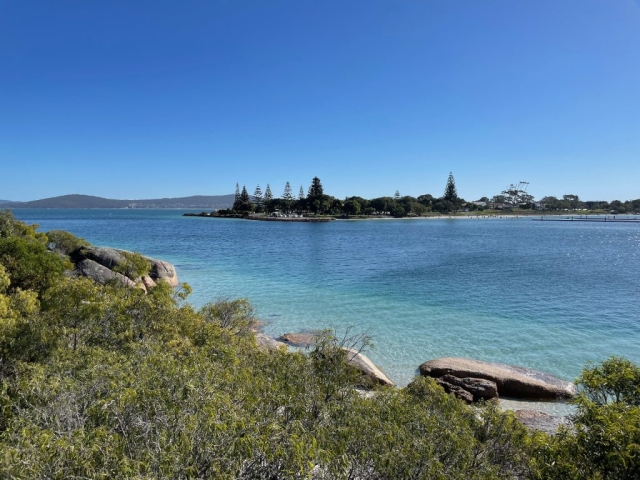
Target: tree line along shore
{"type": "Point", "coordinates": [118, 376]}
{"type": "Point", "coordinates": [514, 200]}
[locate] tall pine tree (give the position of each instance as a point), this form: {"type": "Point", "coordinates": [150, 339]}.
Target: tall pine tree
{"type": "Point", "coordinates": [244, 196]}
{"type": "Point", "coordinates": [450, 192]}
{"type": "Point", "coordinates": [236, 201]}
{"type": "Point", "coordinates": [257, 198]}
{"type": "Point", "coordinates": [301, 194]}
{"type": "Point", "coordinates": [287, 196]}
{"type": "Point", "coordinates": [315, 195]}
{"type": "Point", "coordinates": [268, 199]}
{"type": "Point", "coordinates": [244, 203]}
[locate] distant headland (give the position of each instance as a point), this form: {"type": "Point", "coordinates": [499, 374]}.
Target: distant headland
{"type": "Point", "coordinates": [89, 201]}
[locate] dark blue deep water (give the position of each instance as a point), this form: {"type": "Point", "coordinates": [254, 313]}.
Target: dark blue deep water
{"type": "Point", "coordinates": [546, 295]}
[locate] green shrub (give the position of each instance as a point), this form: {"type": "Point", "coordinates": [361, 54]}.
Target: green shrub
{"type": "Point", "coordinates": [64, 242]}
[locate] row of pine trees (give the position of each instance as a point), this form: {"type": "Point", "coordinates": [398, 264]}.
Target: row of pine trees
{"type": "Point", "coordinates": [315, 201]}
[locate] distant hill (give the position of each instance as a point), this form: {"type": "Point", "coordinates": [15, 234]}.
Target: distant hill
{"type": "Point", "coordinates": [6, 201]}
{"type": "Point", "coordinates": [88, 201]}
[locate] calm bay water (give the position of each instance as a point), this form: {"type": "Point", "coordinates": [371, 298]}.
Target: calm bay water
{"type": "Point", "coordinates": [546, 295]}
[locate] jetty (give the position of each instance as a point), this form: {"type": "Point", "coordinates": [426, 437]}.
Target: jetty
{"type": "Point", "coordinates": [588, 218]}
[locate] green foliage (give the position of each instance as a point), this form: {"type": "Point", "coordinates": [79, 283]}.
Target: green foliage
{"type": "Point", "coordinates": [351, 207]}
{"type": "Point", "coordinates": [10, 227]}
{"type": "Point", "coordinates": [134, 265]}
{"type": "Point", "coordinates": [615, 380]}
{"type": "Point", "coordinates": [603, 441]}
{"type": "Point", "coordinates": [29, 264]}
{"type": "Point", "coordinates": [236, 316]}
{"type": "Point", "coordinates": [64, 242]}
{"type": "Point", "coordinates": [17, 310]}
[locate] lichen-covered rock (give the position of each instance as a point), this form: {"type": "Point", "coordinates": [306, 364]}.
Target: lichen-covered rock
{"type": "Point", "coordinates": [516, 382]}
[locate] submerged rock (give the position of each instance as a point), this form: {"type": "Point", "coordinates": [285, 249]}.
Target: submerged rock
{"type": "Point", "coordinates": [265, 342]}
{"type": "Point", "coordinates": [516, 382]}
{"type": "Point", "coordinates": [302, 339]}
{"type": "Point", "coordinates": [541, 421]}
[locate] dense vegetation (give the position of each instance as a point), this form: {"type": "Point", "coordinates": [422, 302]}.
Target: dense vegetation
{"type": "Point", "coordinates": [317, 202]}
{"type": "Point", "coordinates": [106, 381]}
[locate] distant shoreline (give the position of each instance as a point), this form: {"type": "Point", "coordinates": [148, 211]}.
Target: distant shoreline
{"type": "Point", "coordinates": [557, 217]}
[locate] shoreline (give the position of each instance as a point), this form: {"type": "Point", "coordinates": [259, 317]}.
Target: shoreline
{"type": "Point", "coordinates": [564, 217]}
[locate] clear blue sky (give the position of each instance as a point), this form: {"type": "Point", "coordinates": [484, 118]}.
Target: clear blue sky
{"type": "Point", "coordinates": [147, 99]}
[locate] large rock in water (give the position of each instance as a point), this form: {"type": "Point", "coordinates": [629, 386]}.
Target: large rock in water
{"type": "Point", "coordinates": [366, 366]}
{"type": "Point", "coordinates": [516, 382]}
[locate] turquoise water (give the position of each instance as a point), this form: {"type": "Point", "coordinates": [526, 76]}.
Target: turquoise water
{"type": "Point", "coordinates": [545, 295]}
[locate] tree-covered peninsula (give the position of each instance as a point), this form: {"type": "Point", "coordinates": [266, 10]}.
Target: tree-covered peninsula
{"type": "Point", "coordinates": [514, 199]}
{"type": "Point", "coordinates": [114, 381]}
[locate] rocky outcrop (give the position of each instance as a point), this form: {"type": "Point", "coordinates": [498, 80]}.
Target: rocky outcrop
{"type": "Point", "coordinates": [163, 271]}
{"type": "Point", "coordinates": [303, 339]}
{"type": "Point", "coordinates": [107, 257]}
{"type": "Point", "coordinates": [98, 263]}
{"type": "Point", "coordinates": [475, 389]}
{"type": "Point", "coordinates": [516, 382]}
{"type": "Point", "coordinates": [366, 367]}
{"type": "Point", "coordinates": [101, 274]}
{"type": "Point", "coordinates": [148, 282]}
{"type": "Point", "coordinates": [455, 390]}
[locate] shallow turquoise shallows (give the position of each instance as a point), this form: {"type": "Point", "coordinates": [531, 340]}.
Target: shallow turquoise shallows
{"type": "Point", "coordinates": [546, 295]}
